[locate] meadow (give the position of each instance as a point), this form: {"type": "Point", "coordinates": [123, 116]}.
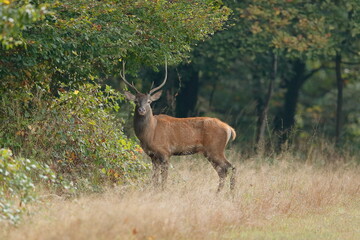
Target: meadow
{"type": "Point", "coordinates": [277, 199]}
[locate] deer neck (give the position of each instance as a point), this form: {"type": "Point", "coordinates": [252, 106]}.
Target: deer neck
{"type": "Point", "coordinates": [144, 126]}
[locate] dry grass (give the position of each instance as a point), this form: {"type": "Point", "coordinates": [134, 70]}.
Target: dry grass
{"type": "Point", "coordinates": [266, 196]}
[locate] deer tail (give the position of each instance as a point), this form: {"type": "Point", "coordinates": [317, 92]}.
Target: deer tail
{"type": "Point", "coordinates": [233, 134]}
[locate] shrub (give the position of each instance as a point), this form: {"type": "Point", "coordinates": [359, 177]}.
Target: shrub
{"type": "Point", "coordinates": [76, 133]}
{"type": "Point", "coordinates": [16, 183]}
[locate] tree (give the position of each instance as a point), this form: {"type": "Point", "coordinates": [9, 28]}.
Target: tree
{"type": "Point", "coordinates": [344, 18]}
{"type": "Point", "coordinates": [87, 40]}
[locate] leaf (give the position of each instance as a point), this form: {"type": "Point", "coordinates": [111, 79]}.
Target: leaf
{"type": "Point", "coordinates": [92, 122]}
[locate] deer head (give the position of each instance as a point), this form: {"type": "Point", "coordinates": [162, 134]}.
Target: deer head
{"type": "Point", "coordinates": [142, 100]}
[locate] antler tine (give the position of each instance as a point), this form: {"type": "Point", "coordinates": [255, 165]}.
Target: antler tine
{"type": "Point", "coordinates": [122, 75]}
{"type": "Point", "coordinates": [163, 83]}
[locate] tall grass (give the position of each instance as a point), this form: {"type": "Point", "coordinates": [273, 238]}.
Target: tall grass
{"type": "Point", "coordinates": [189, 208]}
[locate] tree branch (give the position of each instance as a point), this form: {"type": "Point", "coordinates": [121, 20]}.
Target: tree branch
{"type": "Point", "coordinates": [351, 63]}
{"type": "Point", "coordinates": [310, 74]}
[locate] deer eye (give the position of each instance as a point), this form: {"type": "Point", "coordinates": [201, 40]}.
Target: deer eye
{"type": "Point", "coordinates": [149, 101]}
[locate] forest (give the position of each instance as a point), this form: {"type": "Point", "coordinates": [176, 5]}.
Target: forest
{"type": "Point", "coordinates": [283, 73]}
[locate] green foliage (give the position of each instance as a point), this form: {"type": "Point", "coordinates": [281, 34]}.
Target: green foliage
{"type": "Point", "coordinates": [17, 183]}
{"type": "Point", "coordinates": [87, 138]}
{"type": "Point", "coordinates": [292, 26]}
{"type": "Point", "coordinates": [321, 114]}
{"type": "Point", "coordinates": [14, 17]}
{"type": "Point", "coordinates": [88, 39]}
{"type": "Point", "coordinates": [77, 134]}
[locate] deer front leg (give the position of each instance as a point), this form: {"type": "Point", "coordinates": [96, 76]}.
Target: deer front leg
{"type": "Point", "coordinates": [164, 172]}
{"type": "Point", "coordinates": [156, 172]}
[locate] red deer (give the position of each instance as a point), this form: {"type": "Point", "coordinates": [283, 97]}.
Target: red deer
{"type": "Point", "coordinates": [162, 136]}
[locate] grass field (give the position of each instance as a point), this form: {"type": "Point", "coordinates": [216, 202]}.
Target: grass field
{"type": "Point", "coordinates": [282, 200]}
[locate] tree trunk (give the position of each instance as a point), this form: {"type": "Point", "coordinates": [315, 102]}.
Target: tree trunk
{"type": "Point", "coordinates": [262, 120]}
{"type": "Point", "coordinates": [212, 93]}
{"type": "Point", "coordinates": [285, 119]}
{"type": "Point", "coordinates": [339, 102]}
{"type": "Point", "coordinates": [187, 97]}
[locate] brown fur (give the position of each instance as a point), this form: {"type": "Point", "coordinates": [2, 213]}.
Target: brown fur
{"type": "Point", "coordinates": [162, 136]}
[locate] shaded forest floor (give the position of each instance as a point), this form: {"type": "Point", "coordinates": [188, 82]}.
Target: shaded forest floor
{"type": "Point", "coordinates": [282, 200]}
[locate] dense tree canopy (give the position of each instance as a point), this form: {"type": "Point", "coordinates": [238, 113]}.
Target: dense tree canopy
{"type": "Point", "coordinates": [85, 39]}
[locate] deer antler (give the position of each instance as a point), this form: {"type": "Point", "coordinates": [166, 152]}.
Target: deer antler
{"type": "Point", "coordinates": [122, 75]}
{"type": "Point", "coordinates": [163, 83]}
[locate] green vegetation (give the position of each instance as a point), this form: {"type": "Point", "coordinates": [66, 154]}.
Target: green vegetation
{"type": "Point", "coordinates": [76, 133]}
{"type": "Point", "coordinates": [14, 19]}
{"type": "Point", "coordinates": [17, 186]}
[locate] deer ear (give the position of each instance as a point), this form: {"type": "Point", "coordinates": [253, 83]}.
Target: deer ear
{"type": "Point", "coordinates": [129, 96]}
{"type": "Point", "coordinates": [156, 96]}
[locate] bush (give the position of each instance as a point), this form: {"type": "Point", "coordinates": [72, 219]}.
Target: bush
{"type": "Point", "coordinates": [16, 183]}
{"type": "Point", "coordinates": [77, 134]}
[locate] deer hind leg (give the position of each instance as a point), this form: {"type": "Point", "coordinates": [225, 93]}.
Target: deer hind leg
{"type": "Point", "coordinates": [233, 178]}
{"type": "Point", "coordinates": [222, 166]}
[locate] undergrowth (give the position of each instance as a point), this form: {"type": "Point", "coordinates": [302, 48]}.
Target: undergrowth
{"type": "Point", "coordinates": [78, 134]}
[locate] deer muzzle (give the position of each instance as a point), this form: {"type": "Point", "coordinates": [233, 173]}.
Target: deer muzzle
{"type": "Point", "coordinates": [142, 111]}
